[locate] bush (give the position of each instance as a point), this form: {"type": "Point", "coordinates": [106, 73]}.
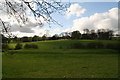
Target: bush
{"type": "Point", "coordinates": [95, 45]}
{"type": "Point", "coordinates": [18, 46]}
{"type": "Point", "coordinates": [5, 47]}
{"type": "Point", "coordinates": [60, 47]}
{"type": "Point", "coordinates": [113, 46]}
{"type": "Point", "coordinates": [77, 46]}
{"type": "Point", "coordinates": [28, 46]}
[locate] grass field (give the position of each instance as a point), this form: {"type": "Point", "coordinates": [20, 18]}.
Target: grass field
{"type": "Point", "coordinates": [52, 61]}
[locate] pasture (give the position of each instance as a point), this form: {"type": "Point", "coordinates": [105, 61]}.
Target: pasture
{"type": "Point", "coordinates": [54, 59]}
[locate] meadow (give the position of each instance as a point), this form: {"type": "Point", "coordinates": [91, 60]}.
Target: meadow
{"type": "Point", "coordinates": [55, 59]}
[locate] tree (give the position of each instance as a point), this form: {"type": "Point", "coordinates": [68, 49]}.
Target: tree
{"type": "Point", "coordinates": [16, 39]}
{"type": "Point", "coordinates": [93, 35]}
{"type": "Point", "coordinates": [65, 35]}
{"type": "Point", "coordinates": [75, 35]}
{"type": "Point", "coordinates": [35, 38]}
{"type": "Point", "coordinates": [110, 34]}
{"type": "Point", "coordinates": [44, 37]}
{"type": "Point", "coordinates": [86, 31]}
{"type": "Point", "coordinates": [38, 8]}
{"type": "Point", "coordinates": [26, 39]}
{"type": "Point", "coordinates": [105, 34]}
{"type": "Point", "coordinates": [86, 34]}
{"type": "Point", "coordinates": [55, 37]}
{"type": "Point", "coordinates": [4, 39]}
{"type": "Point", "coordinates": [100, 33]}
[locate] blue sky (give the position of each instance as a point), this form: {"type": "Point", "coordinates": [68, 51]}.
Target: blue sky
{"type": "Point", "coordinates": [98, 7]}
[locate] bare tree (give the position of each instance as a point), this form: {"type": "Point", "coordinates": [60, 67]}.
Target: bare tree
{"type": "Point", "coordinates": [38, 8]}
{"type": "Point", "coordinates": [86, 31]}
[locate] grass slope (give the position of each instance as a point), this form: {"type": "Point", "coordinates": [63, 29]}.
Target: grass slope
{"type": "Point", "coordinates": [51, 62]}
{"type": "Point", "coordinates": [63, 44]}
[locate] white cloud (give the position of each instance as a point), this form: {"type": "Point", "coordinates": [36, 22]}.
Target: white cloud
{"type": "Point", "coordinates": [107, 20]}
{"type": "Point", "coordinates": [15, 26]}
{"type": "Point", "coordinates": [26, 28]}
{"type": "Point", "coordinates": [75, 9]}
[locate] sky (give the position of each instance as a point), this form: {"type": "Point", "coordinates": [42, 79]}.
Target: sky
{"type": "Point", "coordinates": [79, 16]}
{"type": "Point", "coordinates": [91, 8]}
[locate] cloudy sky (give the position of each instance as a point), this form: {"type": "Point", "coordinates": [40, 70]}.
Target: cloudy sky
{"type": "Point", "coordinates": [79, 16]}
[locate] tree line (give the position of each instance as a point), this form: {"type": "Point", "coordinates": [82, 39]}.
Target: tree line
{"type": "Point", "coordinates": [100, 34]}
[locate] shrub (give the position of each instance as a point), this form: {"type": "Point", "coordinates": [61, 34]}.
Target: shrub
{"type": "Point", "coordinates": [18, 46]}
{"type": "Point", "coordinates": [60, 47]}
{"type": "Point", "coordinates": [113, 46]}
{"type": "Point", "coordinates": [28, 46]}
{"type": "Point", "coordinates": [34, 46]}
{"type": "Point", "coordinates": [77, 46]}
{"type": "Point", "coordinates": [95, 45]}
{"type": "Point", "coordinates": [5, 47]}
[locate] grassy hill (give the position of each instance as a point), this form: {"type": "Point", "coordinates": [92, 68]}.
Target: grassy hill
{"type": "Point", "coordinates": [54, 59]}
{"type": "Point", "coordinates": [62, 44]}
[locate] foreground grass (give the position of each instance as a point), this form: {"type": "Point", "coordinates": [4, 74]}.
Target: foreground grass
{"type": "Point", "coordinates": [60, 63]}
{"type": "Point", "coordinates": [54, 59]}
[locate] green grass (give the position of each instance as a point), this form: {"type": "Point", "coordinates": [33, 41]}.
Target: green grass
{"type": "Point", "coordinates": [63, 44]}
{"type": "Point", "coordinates": [51, 62]}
